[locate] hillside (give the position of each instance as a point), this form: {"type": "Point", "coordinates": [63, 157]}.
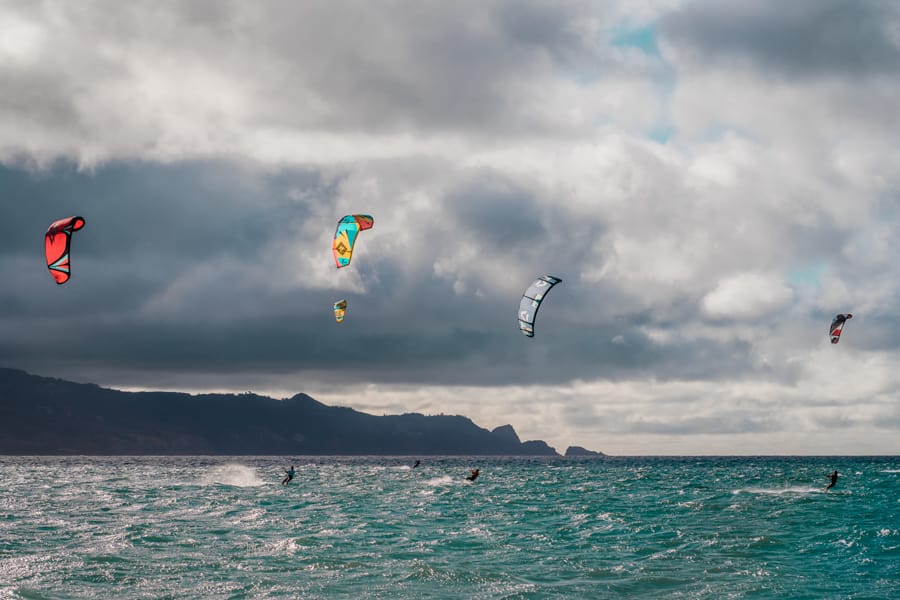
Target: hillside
{"type": "Point", "coordinates": [40, 415]}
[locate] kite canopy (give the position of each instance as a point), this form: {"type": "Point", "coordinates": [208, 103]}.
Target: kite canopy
{"type": "Point", "coordinates": [339, 308]}
{"type": "Point", "coordinates": [56, 246]}
{"type": "Point", "coordinates": [837, 326]}
{"type": "Point", "coordinates": [531, 301]}
{"type": "Point", "coordinates": [345, 237]}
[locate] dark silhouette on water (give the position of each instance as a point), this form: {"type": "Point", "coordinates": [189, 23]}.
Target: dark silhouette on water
{"type": "Point", "coordinates": [834, 477]}
{"type": "Point", "coordinates": [418, 462]}
{"type": "Point", "coordinates": [473, 475]}
{"type": "Point", "coordinates": [289, 475]}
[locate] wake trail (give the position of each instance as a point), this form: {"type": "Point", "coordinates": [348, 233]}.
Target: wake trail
{"type": "Point", "coordinates": [801, 490]}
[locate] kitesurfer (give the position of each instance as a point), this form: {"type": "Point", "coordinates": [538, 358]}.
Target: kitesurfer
{"type": "Point", "coordinates": [418, 462]}
{"type": "Point", "coordinates": [834, 477]}
{"type": "Point", "coordinates": [473, 475]}
{"type": "Point", "coordinates": [289, 475]}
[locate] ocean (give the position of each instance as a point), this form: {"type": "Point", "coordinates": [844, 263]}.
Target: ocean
{"type": "Point", "coordinates": [373, 527]}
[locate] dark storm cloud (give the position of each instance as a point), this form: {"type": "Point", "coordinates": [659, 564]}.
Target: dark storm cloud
{"type": "Point", "coordinates": [151, 220]}
{"type": "Point", "coordinates": [155, 260]}
{"type": "Point", "coordinates": [498, 211]}
{"type": "Point", "coordinates": [378, 349]}
{"type": "Point", "coordinates": [172, 273]}
{"type": "Point", "coordinates": [795, 39]}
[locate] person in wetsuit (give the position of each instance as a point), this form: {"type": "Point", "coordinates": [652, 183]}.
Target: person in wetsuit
{"type": "Point", "coordinates": [289, 474]}
{"type": "Point", "coordinates": [834, 477]}
{"type": "Point", "coordinates": [418, 462]}
{"type": "Point", "coordinates": [473, 475]}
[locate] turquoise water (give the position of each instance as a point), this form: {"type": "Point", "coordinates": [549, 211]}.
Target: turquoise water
{"type": "Point", "coordinates": [204, 527]}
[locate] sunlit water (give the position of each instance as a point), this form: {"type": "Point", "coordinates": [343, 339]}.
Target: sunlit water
{"type": "Point", "coordinates": [209, 527]}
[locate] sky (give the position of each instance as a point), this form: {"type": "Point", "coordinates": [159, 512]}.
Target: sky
{"type": "Point", "coordinates": [712, 181]}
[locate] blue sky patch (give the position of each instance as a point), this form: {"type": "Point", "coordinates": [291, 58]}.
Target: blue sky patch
{"type": "Point", "coordinates": [661, 133]}
{"type": "Point", "coordinates": [809, 276]}
{"type": "Point", "coordinates": [643, 38]}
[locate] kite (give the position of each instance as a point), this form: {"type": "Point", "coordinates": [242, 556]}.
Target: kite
{"type": "Point", "coordinates": [56, 246]}
{"type": "Point", "coordinates": [345, 237]}
{"type": "Point", "coordinates": [339, 307]}
{"type": "Point", "coordinates": [837, 325]}
{"type": "Point", "coordinates": [531, 301]}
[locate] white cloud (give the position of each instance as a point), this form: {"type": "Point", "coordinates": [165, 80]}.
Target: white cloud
{"type": "Point", "coordinates": [747, 296]}
{"type": "Point", "coordinates": [22, 40]}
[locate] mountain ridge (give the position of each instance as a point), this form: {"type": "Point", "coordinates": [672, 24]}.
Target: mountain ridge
{"type": "Point", "coordinates": [49, 416]}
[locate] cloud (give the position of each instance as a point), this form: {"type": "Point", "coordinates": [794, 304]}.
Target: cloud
{"type": "Point", "coordinates": [747, 296]}
{"type": "Point", "coordinates": [300, 83]}
{"type": "Point", "coordinates": [808, 38]}
{"type": "Point", "coordinates": [212, 147]}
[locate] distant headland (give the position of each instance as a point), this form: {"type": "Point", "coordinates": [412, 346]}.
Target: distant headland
{"type": "Point", "coordinates": [579, 452]}
{"type": "Point", "coordinates": [48, 416]}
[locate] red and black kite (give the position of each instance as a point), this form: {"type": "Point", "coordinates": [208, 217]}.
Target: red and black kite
{"type": "Point", "coordinates": [837, 326]}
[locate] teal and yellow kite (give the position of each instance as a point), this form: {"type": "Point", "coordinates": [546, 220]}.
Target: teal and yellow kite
{"type": "Point", "coordinates": [345, 237]}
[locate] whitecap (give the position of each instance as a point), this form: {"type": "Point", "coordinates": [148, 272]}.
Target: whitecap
{"type": "Point", "coordinates": [438, 481]}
